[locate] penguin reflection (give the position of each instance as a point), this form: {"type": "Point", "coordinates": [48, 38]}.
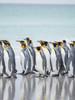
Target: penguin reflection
{"type": "Point", "coordinates": [27, 88]}
{"type": "Point", "coordinates": [41, 89]}
{"type": "Point", "coordinates": [2, 87]}
{"type": "Point", "coordinates": [72, 89]}
{"type": "Point", "coordinates": [54, 89]}
{"type": "Point", "coordinates": [9, 91]}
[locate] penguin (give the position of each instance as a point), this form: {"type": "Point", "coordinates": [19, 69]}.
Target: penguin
{"type": "Point", "coordinates": [32, 54]}
{"type": "Point", "coordinates": [25, 58]}
{"type": "Point", "coordinates": [67, 53]}
{"type": "Point", "coordinates": [9, 58]}
{"type": "Point", "coordinates": [74, 44]}
{"type": "Point", "coordinates": [62, 58]}
{"type": "Point", "coordinates": [71, 62]}
{"type": "Point", "coordinates": [2, 63]}
{"type": "Point", "coordinates": [40, 61]}
{"type": "Point", "coordinates": [47, 51]}
{"type": "Point", "coordinates": [55, 60]}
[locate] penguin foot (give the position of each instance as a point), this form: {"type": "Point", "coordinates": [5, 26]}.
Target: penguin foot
{"type": "Point", "coordinates": [35, 70]}
{"type": "Point", "coordinates": [55, 75]}
{"type": "Point", "coordinates": [15, 76]}
{"type": "Point", "coordinates": [1, 75]}
{"type": "Point", "coordinates": [64, 73]}
{"type": "Point", "coordinates": [21, 73]}
{"type": "Point", "coordinates": [8, 77]}
{"type": "Point", "coordinates": [45, 75]}
{"type": "Point", "coordinates": [72, 76]}
{"type": "Point", "coordinates": [15, 71]}
{"type": "Point", "coordinates": [48, 73]}
{"type": "Point", "coordinates": [26, 73]}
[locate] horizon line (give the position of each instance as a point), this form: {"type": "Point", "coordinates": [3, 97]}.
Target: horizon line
{"type": "Point", "coordinates": [32, 4]}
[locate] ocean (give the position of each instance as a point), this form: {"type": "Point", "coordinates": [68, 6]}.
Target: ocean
{"type": "Point", "coordinates": [38, 22]}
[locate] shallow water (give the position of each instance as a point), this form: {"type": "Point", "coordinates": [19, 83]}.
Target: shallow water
{"type": "Point", "coordinates": [32, 88]}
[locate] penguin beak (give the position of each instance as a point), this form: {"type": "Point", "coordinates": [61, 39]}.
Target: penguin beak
{"type": "Point", "coordinates": [35, 47]}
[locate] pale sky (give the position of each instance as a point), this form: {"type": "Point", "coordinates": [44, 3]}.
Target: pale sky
{"type": "Point", "coordinates": [39, 1]}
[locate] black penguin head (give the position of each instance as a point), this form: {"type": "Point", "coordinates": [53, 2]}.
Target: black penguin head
{"type": "Point", "coordinates": [64, 41]}
{"type": "Point", "coordinates": [55, 44]}
{"type": "Point", "coordinates": [23, 46]}
{"type": "Point", "coordinates": [27, 39]}
{"type": "Point", "coordinates": [21, 42]}
{"type": "Point", "coordinates": [59, 43]}
{"type": "Point", "coordinates": [41, 42]}
{"type": "Point", "coordinates": [46, 43]}
{"type": "Point", "coordinates": [30, 41]}
{"type": "Point", "coordinates": [71, 45]}
{"type": "Point", "coordinates": [7, 43]}
{"type": "Point", "coordinates": [73, 42]}
{"type": "Point", "coordinates": [38, 48]}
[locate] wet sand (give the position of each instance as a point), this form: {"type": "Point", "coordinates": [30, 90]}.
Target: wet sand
{"type": "Point", "coordinates": [32, 88]}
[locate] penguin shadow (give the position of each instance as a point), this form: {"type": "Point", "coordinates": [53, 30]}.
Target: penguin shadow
{"type": "Point", "coordinates": [9, 89]}
{"type": "Point", "coordinates": [27, 88]}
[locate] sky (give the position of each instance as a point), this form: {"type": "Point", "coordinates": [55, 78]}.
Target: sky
{"type": "Point", "coordinates": [39, 1]}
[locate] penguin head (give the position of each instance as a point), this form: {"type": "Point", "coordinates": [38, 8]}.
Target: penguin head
{"type": "Point", "coordinates": [73, 42]}
{"type": "Point", "coordinates": [64, 41]}
{"type": "Point", "coordinates": [38, 48]}
{"type": "Point", "coordinates": [30, 41]}
{"type": "Point", "coordinates": [6, 43]}
{"type": "Point", "coordinates": [59, 43]}
{"type": "Point", "coordinates": [55, 44]}
{"type": "Point", "coordinates": [41, 42]}
{"type": "Point", "coordinates": [45, 43]}
{"type": "Point", "coordinates": [0, 42]}
{"type": "Point", "coordinates": [27, 39]}
{"type": "Point", "coordinates": [23, 44]}
{"type": "Point", "coordinates": [71, 45]}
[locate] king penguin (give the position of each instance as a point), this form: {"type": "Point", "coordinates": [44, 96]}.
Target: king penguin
{"type": "Point", "coordinates": [2, 63]}
{"type": "Point", "coordinates": [44, 50]}
{"type": "Point", "coordinates": [9, 58]}
{"type": "Point", "coordinates": [74, 44]}
{"type": "Point", "coordinates": [40, 61]}
{"type": "Point", "coordinates": [32, 53]}
{"type": "Point", "coordinates": [71, 62]}
{"type": "Point", "coordinates": [25, 58]}
{"type": "Point", "coordinates": [55, 58]}
{"type": "Point", "coordinates": [48, 56]}
{"type": "Point", "coordinates": [66, 52]}
{"type": "Point", "coordinates": [62, 56]}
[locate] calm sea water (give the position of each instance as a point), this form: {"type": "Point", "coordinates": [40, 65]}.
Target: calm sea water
{"type": "Point", "coordinates": [45, 22]}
